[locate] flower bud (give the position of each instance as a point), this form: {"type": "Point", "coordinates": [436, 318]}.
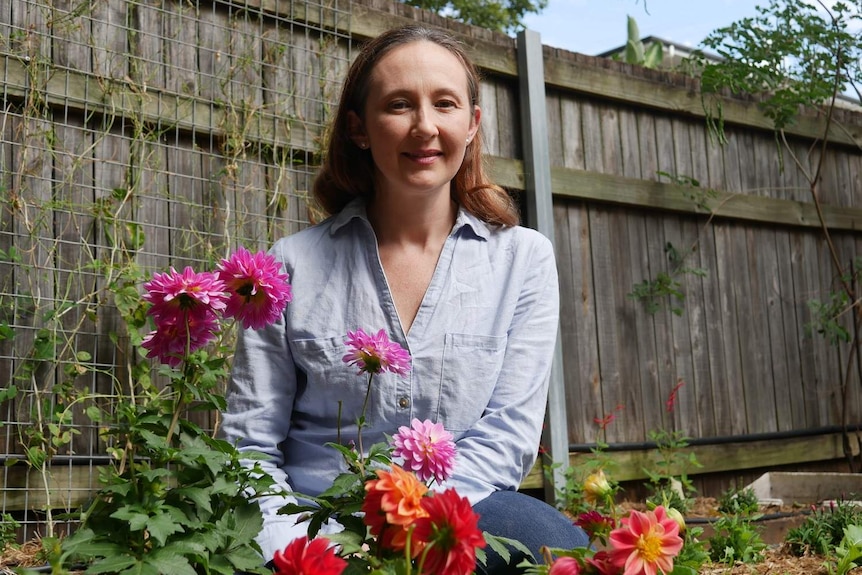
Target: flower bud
{"type": "Point", "coordinates": [597, 486]}
{"type": "Point", "coordinates": [675, 514]}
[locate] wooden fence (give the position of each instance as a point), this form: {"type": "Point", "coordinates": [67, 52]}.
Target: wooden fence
{"type": "Point", "coordinates": [152, 133]}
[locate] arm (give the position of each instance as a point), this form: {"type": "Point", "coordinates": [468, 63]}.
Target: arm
{"type": "Point", "coordinates": [263, 386]}
{"type": "Point", "coordinates": [500, 449]}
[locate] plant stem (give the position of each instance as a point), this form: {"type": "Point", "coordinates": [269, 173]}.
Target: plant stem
{"type": "Point", "coordinates": [360, 423]}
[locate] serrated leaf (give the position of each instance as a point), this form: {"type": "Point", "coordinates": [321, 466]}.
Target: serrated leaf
{"type": "Point", "coordinates": [112, 564]}
{"type": "Point", "coordinates": [137, 521]}
{"type": "Point", "coordinates": [501, 546]}
{"type": "Point", "coordinates": [168, 562]}
{"type": "Point", "coordinates": [342, 484]}
{"type": "Point", "coordinates": [162, 526]}
{"type": "Point", "coordinates": [244, 559]}
{"type": "Point", "coordinates": [219, 564]}
{"type": "Point", "coordinates": [198, 496]}
{"type": "Point", "coordinates": [248, 522]}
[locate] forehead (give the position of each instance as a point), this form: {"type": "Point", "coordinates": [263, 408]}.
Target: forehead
{"type": "Point", "coordinates": [419, 63]}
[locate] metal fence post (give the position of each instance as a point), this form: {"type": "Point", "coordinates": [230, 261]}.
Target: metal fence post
{"type": "Point", "coordinates": [540, 216]}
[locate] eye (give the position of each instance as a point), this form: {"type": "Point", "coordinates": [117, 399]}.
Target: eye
{"type": "Point", "coordinates": [446, 104]}
{"type": "Point", "coordinates": [399, 105]}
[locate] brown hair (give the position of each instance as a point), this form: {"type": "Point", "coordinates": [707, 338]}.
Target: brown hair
{"type": "Point", "coordinates": [348, 171]}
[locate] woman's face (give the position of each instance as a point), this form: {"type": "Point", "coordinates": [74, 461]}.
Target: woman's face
{"type": "Point", "coordinates": [418, 120]}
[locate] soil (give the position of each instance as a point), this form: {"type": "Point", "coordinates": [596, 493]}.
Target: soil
{"type": "Point", "coordinates": [777, 561]}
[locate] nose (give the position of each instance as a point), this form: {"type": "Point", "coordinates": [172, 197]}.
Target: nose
{"type": "Point", "coordinates": [423, 122]}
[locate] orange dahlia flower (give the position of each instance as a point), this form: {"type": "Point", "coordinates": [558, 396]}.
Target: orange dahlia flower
{"type": "Point", "coordinates": [392, 503]}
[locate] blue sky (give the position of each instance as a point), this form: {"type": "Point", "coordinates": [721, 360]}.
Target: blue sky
{"type": "Point", "coordinates": [594, 26]}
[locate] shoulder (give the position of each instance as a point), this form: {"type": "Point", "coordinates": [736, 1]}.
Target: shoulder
{"type": "Point", "coordinates": [321, 237]}
{"type": "Point", "coordinates": [509, 238]}
{"type": "Point", "coordinates": [525, 244]}
{"type": "Point", "coordinates": [303, 240]}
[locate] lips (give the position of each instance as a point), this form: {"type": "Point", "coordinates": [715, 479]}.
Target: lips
{"type": "Point", "coordinates": [424, 156]}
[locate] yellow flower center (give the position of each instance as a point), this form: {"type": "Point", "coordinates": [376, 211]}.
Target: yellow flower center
{"type": "Point", "coordinates": [649, 547]}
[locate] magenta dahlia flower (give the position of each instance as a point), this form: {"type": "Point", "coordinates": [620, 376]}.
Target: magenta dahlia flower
{"type": "Point", "coordinates": [427, 448]}
{"type": "Point", "coordinates": [189, 294]}
{"type": "Point", "coordinates": [258, 291]}
{"type": "Point", "coordinates": [175, 337]}
{"type": "Point", "coordinates": [374, 354]}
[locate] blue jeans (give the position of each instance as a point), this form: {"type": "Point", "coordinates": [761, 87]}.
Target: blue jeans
{"type": "Point", "coordinates": [533, 522]}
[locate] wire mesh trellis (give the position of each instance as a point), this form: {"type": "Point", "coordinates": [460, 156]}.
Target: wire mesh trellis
{"type": "Point", "coordinates": [135, 135]}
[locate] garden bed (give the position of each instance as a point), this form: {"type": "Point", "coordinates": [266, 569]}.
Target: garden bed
{"type": "Point", "coordinates": [702, 512]}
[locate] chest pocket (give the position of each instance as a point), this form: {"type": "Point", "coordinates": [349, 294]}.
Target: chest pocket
{"type": "Point", "coordinates": [328, 379]}
{"type": "Point", "coordinates": [471, 366]}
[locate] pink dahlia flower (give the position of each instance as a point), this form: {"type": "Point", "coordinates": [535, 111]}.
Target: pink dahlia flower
{"type": "Point", "coordinates": [374, 354]}
{"type": "Point", "coordinates": [646, 543]}
{"type": "Point", "coordinates": [601, 564]}
{"type": "Point", "coordinates": [427, 448]}
{"type": "Point", "coordinates": [565, 566]}
{"type": "Point", "coordinates": [257, 290]}
{"type": "Point", "coordinates": [175, 337]}
{"type": "Point", "coordinates": [177, 295]}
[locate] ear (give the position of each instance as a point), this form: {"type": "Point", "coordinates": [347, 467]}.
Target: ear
{"type": "Point", "coordinates": [356, 130]}
{"type": "Point", "coordinates": [474, 122]}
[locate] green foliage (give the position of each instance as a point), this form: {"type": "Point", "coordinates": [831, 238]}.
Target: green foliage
{"type": "Point", "coordinates": [736, 539]}
{"type": "Point", "coordinates": [635, 51]}
{"type": "Point", "coordinates": [823, 530]}
{"type": "Point", "coordinates": [738, 502]}
{"type": "Point", "coordinates": [849, 551]}
{"type": "Point", "coordinates": [827, 316]}
{"type": "Point", "coordinates": [343, 499]}
{"type": "Point", "coordinates": [794, 53]}
{"type": "Point", "coordinates": [8, 530]}
{"type": "Point", "coordinates": [570, 497]}
{"type": "Point", "coordinates": [668, 478]}
{"type": "Point", "coordinates": [176, 497]}
{"type": "Point", "coordinates": [500, 15]}
{"type": "Point", "coordinates": [667, 286]}
{"type": "Point", "coordinates": [693, 554]}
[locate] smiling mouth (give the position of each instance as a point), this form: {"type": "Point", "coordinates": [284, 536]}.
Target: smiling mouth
{"type": "Point", "coordinates": [423, 156]}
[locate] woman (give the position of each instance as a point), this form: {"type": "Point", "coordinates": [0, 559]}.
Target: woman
{"type": "Point", "coordinates": [420, 244]}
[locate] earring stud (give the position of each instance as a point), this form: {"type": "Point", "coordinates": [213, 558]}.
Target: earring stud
{"type": "Point", "coordinates": [362, 145]}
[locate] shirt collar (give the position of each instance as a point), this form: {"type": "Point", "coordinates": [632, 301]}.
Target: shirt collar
{"type": "Point", "coordinates": [355, 209]}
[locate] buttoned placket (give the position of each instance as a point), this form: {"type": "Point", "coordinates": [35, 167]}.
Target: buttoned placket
{"type": "Point", "coordinates": [404, 384]}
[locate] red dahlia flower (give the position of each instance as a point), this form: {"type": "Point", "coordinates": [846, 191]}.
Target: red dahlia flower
{"type": "Point", "coordinates": [449, 535]}
{"type": "Point", "coordinates": [302, 557]}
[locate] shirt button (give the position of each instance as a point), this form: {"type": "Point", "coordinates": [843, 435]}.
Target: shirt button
{"type": "Point", "coordinates": [403, 402]}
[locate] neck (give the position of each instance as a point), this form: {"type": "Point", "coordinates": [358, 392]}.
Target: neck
{"type": "Point", "coordinates": [401, 222]}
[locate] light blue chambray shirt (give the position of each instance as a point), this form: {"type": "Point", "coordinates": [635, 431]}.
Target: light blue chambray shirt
{"type": "Point", "coordinates": [481, 346]}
